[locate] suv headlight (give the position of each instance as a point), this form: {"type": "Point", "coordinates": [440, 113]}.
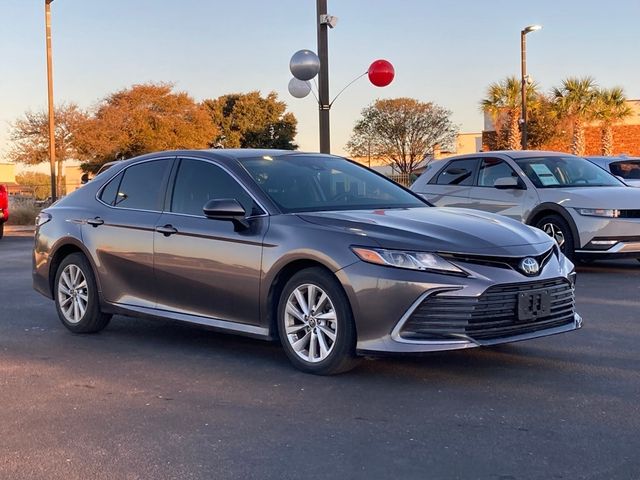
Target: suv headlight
{"type": "Point", "coordinates": [598, 212]}
{"type": "Point", "coordinates": [406, 259]}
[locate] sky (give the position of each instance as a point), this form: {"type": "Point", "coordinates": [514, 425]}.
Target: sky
{"type": "Point", "coordinates": [446, 52]}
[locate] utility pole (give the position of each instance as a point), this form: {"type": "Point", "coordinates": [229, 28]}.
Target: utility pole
{"type": "Point", "coordinates": [323, 77]}
{"type": "Point", "coordinates": [52, 125]}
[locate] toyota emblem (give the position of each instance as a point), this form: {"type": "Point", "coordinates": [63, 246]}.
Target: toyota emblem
{"type": "Point", "coordinates": [529, 266]}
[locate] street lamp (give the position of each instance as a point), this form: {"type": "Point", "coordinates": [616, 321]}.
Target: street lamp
{"type": "Point", "coordinates": [52, 127]}
{"type": "Point", "coordinates": [523, 66]}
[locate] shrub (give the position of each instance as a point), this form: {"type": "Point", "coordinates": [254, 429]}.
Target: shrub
{"type": "Point", "coordinates": [22, 211]}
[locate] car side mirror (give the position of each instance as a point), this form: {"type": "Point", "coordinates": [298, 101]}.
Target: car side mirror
{"type": "Point", "coordinates": [508, 183]}
{"type": "Point", "coordinates": [227, 209]}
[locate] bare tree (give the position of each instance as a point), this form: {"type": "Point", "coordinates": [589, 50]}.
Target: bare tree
{"type": "Point", "coordinates": [402, 131]}
{"type": "Point", "coordinates": [30, 136]}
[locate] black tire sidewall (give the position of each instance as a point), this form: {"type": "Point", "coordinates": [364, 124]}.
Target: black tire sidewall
{"type": "Point", "coordinates": [93, 319]}
{"type": "Point", "coordinates": [342, 357]}
{"type": "Point", "coordinates": [563, 225]}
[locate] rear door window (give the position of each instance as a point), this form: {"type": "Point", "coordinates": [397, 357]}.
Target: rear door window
{"type": "Point", "coordinates": [142, 186]}
{"type": "Point", "coordinates": [492, 169]}
{"type": "Point", "coordinates": [108, 194]}
{"type": "Point", "coordinates": [458, 172]}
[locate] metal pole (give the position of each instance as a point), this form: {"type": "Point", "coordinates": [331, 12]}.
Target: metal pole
{"type": "Point", "coordinates": [52, 137]}
{"type": "Point", "coordinates": [323, 78]}
{"type": "Point", "coordinates": [523, 66]}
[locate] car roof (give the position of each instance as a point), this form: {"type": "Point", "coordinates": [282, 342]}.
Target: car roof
{"type": "Point", "coordinates": [226, 153]}
{"type": "Point", "coordinates": [514, 154]}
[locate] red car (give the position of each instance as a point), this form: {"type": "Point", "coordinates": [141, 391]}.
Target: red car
{"type": "Point", "coordinates": [4, 208]}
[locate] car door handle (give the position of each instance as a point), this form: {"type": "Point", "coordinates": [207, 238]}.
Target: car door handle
{"type": "Point", "coordinates": [95, 222]}
{"type": "Point", "coordinates": [167, 230]}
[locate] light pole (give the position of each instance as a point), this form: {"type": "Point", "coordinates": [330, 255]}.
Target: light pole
{"type": "Point", "coordinates": [52, 126]}
{"type": "Point", "coordinates": [323, 76]}
{"type": "Point", "coordinates": [523, 67]}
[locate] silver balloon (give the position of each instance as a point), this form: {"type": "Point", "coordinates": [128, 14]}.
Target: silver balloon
{"type": "Point", "coordinates": [299, 88]}
{"type": "Point", "coordinates": [304, 65]}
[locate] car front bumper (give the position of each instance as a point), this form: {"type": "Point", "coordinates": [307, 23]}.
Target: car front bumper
{"type": "Point", "coordinates": [384, 299]}
{"type": "Point", "coordinates": [607, 237]}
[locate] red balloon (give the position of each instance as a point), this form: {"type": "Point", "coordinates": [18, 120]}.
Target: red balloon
{"type": "Point", "coordinates": [381, 73]}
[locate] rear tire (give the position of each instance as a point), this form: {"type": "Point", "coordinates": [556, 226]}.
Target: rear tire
{"type": "Point", "coordinates": [557, 228]}
{"type": "Point", "coordinates": [76, 296]}
{"type": "Point", "coordinates": [316, 325]}
{"type": "Point", "coordinates": [1, 230]}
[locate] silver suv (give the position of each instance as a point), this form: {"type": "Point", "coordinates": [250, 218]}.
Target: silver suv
{"type": "Point", "coordinates": [588, 211]}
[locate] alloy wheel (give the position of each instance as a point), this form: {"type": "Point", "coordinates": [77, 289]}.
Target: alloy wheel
{"type": "Point", "coordinates": [554, 232]}
{"type": "Point", "coordinates": [73, 294]}
{"type": "Point", "coordinates": [311, 323]}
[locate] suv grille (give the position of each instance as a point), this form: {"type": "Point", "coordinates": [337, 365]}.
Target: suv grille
{"type": "Point", "coordinates": [492, 315]}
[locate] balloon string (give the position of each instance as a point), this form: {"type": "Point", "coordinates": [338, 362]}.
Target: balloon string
{"type": "Point", "coordinates": [314, 93]}
{"type": "Point", "coordinates": [347, 86]}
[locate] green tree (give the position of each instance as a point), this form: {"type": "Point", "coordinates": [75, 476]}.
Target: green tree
{"type": "Point", "coordinates": [402, 131]}
{"type": "Point", "coordinates": [610, 107]}
{"type": "Point", "coordinates": [248, 120]}
{"type": "Point", "coordinates": [575, 101]}
{"type": "Point", "coordinates": [40, 183]}
{"type": "Point", "coordinates": [140, 119]}
{"type": "Point", "coordinates": [503, 103]}
{"type": "Point", "coordinates": [30, 137]}
{"type": "Point", "coordinates": [543, 124]}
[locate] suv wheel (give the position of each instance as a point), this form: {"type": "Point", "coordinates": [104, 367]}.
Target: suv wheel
{"type": "Point", "coordinates": [76, 296]}
{"type": "Point", "coordinates": [557, 228]}
{"type": "Point", "coordinates": [315, 323]}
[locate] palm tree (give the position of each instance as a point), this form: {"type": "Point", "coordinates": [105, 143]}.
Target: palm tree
{"type": "Point", "coordinates": [504, 102]}
{"type": "Point", "coordinates": [575, 100]}
{"type": "Point", "coordinates": [610, 108]}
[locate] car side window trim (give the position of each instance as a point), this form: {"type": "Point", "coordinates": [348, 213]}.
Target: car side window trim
{"type": "Point", "coordinates": [170, 190]}
{"type": "Point", "coordinates": [147, 160]}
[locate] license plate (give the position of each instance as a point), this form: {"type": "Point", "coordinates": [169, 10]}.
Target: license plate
{"type": "Point", "coordinates": [534, 305]}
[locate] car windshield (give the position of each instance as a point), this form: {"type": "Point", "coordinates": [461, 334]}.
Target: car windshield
{"type": "Point", "coordinates": [628, 169]}
{"type": "Point", "coordinates": [562, 172]}
{"type": "Point", "coordinates": [312, 183]}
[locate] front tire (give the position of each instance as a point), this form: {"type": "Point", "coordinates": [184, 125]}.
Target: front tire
{"type": "Point", "coordinates": [557, 228]}
{"type": "Point", "coordinates": [76, 296]}
{"type": "Point", "coordinates": [1, 230]}
{"type": "Point", "coordinates": [315, 323]}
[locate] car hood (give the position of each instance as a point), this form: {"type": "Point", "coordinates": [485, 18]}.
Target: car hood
{"type": "Point", "coordinates": [621, 198]}
{"type": "Point", "coordinates": [454, 230]}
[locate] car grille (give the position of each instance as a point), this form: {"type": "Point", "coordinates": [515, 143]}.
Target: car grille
{"type": "Point", "coordinates": [629, 214]}
{"type": "Point", "coordinates": [512, 263]}
{"type": "Point", "coordinates": [492, 315]}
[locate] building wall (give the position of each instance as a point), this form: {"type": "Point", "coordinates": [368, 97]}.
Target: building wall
{"type": "Point", "coordinates": [7, 173]}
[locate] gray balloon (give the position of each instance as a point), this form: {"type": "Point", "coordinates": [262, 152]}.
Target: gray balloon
{"type": "Point", "coordinates": [299, 88]}
{"type": "Point", "coordinates": [304, 65]}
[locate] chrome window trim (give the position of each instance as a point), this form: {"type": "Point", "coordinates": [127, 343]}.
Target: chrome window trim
{"type": "Point", "coordinates": [100, 190]}
{"type": "Point", "coordinates": [231, 174]}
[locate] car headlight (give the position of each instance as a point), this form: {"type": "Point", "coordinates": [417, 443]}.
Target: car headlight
{"type": "Point", "coordinates": [599, 212]}
{"type": "Point", "coordinates": [406, 259]}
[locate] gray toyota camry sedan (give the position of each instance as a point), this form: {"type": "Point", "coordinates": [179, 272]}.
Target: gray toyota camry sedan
{"type": "Point", "coordinates": [331, 258]}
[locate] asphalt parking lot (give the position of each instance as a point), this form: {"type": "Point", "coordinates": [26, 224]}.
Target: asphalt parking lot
{"type": "Point", "coordinates": [160, 400]}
